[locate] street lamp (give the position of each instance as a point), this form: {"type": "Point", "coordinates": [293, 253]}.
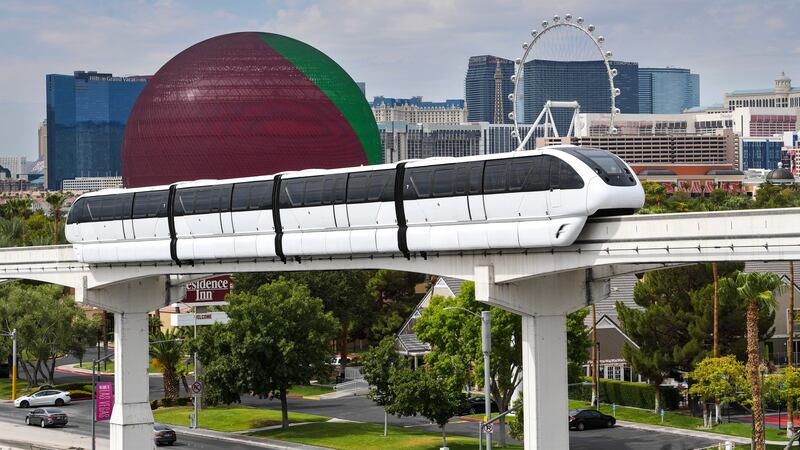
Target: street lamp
{"type": "Point", "coordinates": [13, 336]}
{"type": "Point", "coordinates": [486, 346]}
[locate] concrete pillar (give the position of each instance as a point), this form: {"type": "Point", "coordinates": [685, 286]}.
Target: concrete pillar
{"type": "Point", "coordinates": [543, 303]}
{"type": "Point", "coordinates": [132, 419]}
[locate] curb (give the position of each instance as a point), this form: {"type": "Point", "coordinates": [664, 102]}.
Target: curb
{"type": "Point", "coordinates": [71, 369]}
{"type": "Point", "coordinates": [687, 432]}
{"type": "Point", "coordinates": [304, 397]}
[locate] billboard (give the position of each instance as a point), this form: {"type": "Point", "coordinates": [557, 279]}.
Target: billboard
{"type": "Point", "coordinates": [208, 291]}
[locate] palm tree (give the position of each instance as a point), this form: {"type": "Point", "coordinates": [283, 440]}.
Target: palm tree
{"type": "Point", "coordinates": [167, 351]}
{"type": "Point", "coordinates": [56, 201]}
{"type": "Point", "coordinates": [757, 291]}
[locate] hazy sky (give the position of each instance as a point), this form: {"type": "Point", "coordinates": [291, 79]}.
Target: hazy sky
{"type": "Point", "coordinates": [399, 48]}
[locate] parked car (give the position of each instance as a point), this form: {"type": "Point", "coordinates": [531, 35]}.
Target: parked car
{"type": "Point", "coordinates": [47, 417]}
{"type": "Point", "coordinates": [163, 435]}
{"type": "Point", "coordinates": [43, 398]}
{"type": "Point", "coordinates": [581, 419]}
{"type": "Point", "coordinates": [476, 405]}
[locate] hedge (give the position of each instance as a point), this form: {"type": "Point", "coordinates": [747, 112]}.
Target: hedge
{"type": "Point", "coordinates": [626, 393]}
{"type": "Point", "coordinates": [167, 402]}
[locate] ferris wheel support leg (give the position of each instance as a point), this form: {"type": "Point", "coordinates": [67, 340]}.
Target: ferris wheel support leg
{"type": "Point", "coordinates": [131, 423]}
{"type": "Point", "coordinates": [543, 303]}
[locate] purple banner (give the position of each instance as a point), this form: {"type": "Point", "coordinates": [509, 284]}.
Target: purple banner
{"type": "Point", "coordinates": [104, 398]}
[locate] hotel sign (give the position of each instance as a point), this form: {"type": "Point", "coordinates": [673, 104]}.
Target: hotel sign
{"type": "Point", "coordinates": [207, 318]}
{"type": "Point", "coordinates": [208, 292]}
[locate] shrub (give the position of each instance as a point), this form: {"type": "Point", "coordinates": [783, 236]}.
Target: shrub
{"type": "Point", "coordinates": [154, 405]}
{"type": "Point", "coordinates": [79, 394]}
{"type": "Point", "coordinates": [626, 393]}
{"type": "Point", "coordinates": [166, 402]}
{"type": "Point", "coordinates": [183, 401]}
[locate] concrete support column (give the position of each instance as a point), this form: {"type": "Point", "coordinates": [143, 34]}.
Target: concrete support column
{"type": "Point", "coordinates": [544, 381]}
{"type": "Point", "coordinates": [543, 303]}
{"type": "Point", "coordinates": [132, 419]}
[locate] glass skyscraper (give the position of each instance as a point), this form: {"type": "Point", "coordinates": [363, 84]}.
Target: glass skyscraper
{"type": "Point", "coordinates": [667, 90]}
{"type": "Point", "coordinates": [479, 88]}
{"type": "Point", "coordinates": [86, 116]}
{"type": "Point", "coordinates": [583, 81]}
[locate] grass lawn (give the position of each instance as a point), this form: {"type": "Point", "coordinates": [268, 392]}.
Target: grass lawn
{"type": "Point", "coordinates": [678, 420]}
{"type": "Point", "coordinates": [5, 388]}
{"type": "Point", "coordinates": [369, 436]}
{"type": "Point", "coordinates": [309, 390]}
{"type": "Point", "coordinates": [110, 367]}
{"type": "Point", "coordinates": [230, 418]}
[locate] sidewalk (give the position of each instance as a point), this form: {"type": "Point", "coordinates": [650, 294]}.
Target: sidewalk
{"type": "Point", "coordinates": [693, 433]}
{"type": "Point", "coordinates": [75, 370]}
{"type": "Point", "coordinates": [271, 444]}
{"type": "Point", "coordinates": [26, 437]}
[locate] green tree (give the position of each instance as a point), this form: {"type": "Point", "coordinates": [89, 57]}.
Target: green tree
{"type": "Point", "coordinates": [757, 291]}
{"type": "Point", "coordinates": [429, 392]}
{"type": "Point", "coordinates": [579, 341]}
{"type": "Point", "coordinates": [12, 232]}
{"type": "Point", "coordinates": [86, 331]}
{"type": "Point", "coordinates": [379, 363]}
{"type": "Point", "coordinates": [56, 201]}
{"type": "Point", "coordinates": [37, 230]}
{"type": "Point", "coordinates": [455, 338]}
{"type": "Point", "coordinates": [394, 298]}
{"type": "Point", "coordinates": [275, 338]}
{"type": "Point", "coordinates": [660, 328]}
{"type": "Point", "coordinates": [720, 379]}
{"type": "Point", "coordinates": [168, 353]}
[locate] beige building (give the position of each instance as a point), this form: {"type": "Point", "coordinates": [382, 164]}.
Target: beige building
{"type": "Point", "coordinates": [414, 110]}
{"type": "Point", "coordinates": [782, 95]}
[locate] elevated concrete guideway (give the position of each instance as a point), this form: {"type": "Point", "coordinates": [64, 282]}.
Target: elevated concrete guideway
{"type": "Point", "coordinates": [542, 285]}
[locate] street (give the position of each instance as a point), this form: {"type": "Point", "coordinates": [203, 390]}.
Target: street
{"type": "Point", "coordinates": [354, 408]}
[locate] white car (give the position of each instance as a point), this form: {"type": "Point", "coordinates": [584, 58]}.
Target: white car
{"type": "Point", "coordinates": [46, 397]}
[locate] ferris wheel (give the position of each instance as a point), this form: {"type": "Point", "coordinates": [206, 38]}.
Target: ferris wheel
{"type": "Point", "coordinates": [595, 43]}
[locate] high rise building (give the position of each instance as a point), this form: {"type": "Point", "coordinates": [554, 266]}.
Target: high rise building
{"type": "Point", "coordinates": [761, 152]}
{"type": "Point", "coordinates": [387, 109]}
{"type": "Point", "coordinates": [86, 116]}
{"type": "Point", "coordinates": [583, 81]}
{"type": "Point", "coordinates": [782, 95]}
{"type": "Point", "coordinates": [14, 164]}
{"type": "Point", "coordinates": [667, 90]}
{"type": "Point", "coordinates": [486, 89]}
{"type": "Point", "coordinates": [42, 140]}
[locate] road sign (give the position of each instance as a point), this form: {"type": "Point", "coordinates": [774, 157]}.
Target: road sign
{"type": "Point", "coordinates": [488, 428]}
{"type": "Point", "coordinates": [197, 388]}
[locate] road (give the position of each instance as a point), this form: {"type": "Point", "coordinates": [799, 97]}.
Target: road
{"type": "Point", "coordinates": [363, 410]}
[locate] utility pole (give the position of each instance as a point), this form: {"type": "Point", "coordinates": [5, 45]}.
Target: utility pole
{"type": "Point", "coordinates": [790, 350]}
{"type": "Point", "coordinates": [14, 364]}
{"type": "Point", "coordinates": [716, 322]}
{"type": "Point", "coordinates": [595, 393]}
{"type": "Point", "coordinates": [486, 341]}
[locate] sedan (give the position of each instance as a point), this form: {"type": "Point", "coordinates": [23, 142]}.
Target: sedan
{"type": "Point", "coordinates": [43, 398]}
{"type": "Point", "coordinates": [46, 417]}
{"type": "Point", "coordinates": [476, 405]}
{"type": "Point", "coordinates": [581, 419]}
{"type": "Point", "coordinates": [163, 434]}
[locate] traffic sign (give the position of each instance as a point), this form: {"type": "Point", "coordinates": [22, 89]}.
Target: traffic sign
{"type": "Point", "coordinates": [488, 428]}
{"type": "Point", "coordinates": [197, 388]}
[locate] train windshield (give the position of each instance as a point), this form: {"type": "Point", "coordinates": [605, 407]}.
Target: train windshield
{"type": "Point", "coordinates": [607, 165]}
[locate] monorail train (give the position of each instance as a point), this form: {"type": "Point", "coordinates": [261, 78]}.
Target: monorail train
{"type": "Point", "coordinates": [525, 199]}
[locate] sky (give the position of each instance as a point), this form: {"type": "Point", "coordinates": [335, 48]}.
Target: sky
{"type": "Point", "coordinates": [399, 48]}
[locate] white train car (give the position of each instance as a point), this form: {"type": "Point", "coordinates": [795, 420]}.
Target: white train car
{"type": "Point", "coordinates": [526, 199]}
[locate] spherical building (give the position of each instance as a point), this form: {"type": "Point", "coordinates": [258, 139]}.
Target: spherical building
{"type": "Point", "coordinates": [246, 104]}
{"type": "Point", "coordinates": [780, 176]}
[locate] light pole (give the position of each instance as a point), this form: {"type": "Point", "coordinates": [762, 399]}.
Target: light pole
{"type": "Point", "coordinates": [486, 346]}
{"type": "Point", "coordinates": [13, 336]}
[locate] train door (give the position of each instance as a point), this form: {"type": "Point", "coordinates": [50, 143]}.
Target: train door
{"type": "Point", "coordinates": [530, 176]}
{"type": "Point", "coordinates": [567, 203]}
{"type": "Point", "coordinates": [501, 205]}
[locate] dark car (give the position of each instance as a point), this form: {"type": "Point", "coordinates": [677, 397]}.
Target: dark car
{"type": "Point", "coordinates": [581, 419]}
{"type": "Point", "coordinates": [163, 435]}
{"type": "Point", "coordinates": [476, 405]}
{"type": "Point", "coordinates": [46, 417]}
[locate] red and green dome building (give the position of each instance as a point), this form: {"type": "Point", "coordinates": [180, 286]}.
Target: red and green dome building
{"type": "Point", "coordinates": [247, 104]}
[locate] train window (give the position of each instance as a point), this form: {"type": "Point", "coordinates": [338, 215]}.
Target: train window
{"type": "Point", "coordinates": [252, 196]}
{"type": "Point", "coordinates": [461, 181]}
{"type": "Point", "coordinates": [240, 201]}
{"type": "Point", "coordinates": [417, 183]}
{"type": "Point", "coordinates": [202, 200]}
{"type": "Point", "coordinates": [335, 189]}
{"type": "Point", "coordinates": [292, 193]}
{"type": "Point", "coordinates": [313, 192]}
{"type": "Point", "coordinates": [78, 213]}
{"type": "Point", "coordinates": [519, 171]}
{"type": "Point", "coordinates": [381, 186]}
{"type": "Point", "coordinates": [494, 177]}
{"type": "Point", "coordinates": [150, 204]}
{"type": "Point", "coordinates": [443, 181]}
{"type": "Point", "coordinates": [476, 178]}
{"type": "Point", "coordinates": [357, 187]}
{"type": "Point", "coordinates": [538, 179]}
{"type": "Point", "coordinates": [563, 176]}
